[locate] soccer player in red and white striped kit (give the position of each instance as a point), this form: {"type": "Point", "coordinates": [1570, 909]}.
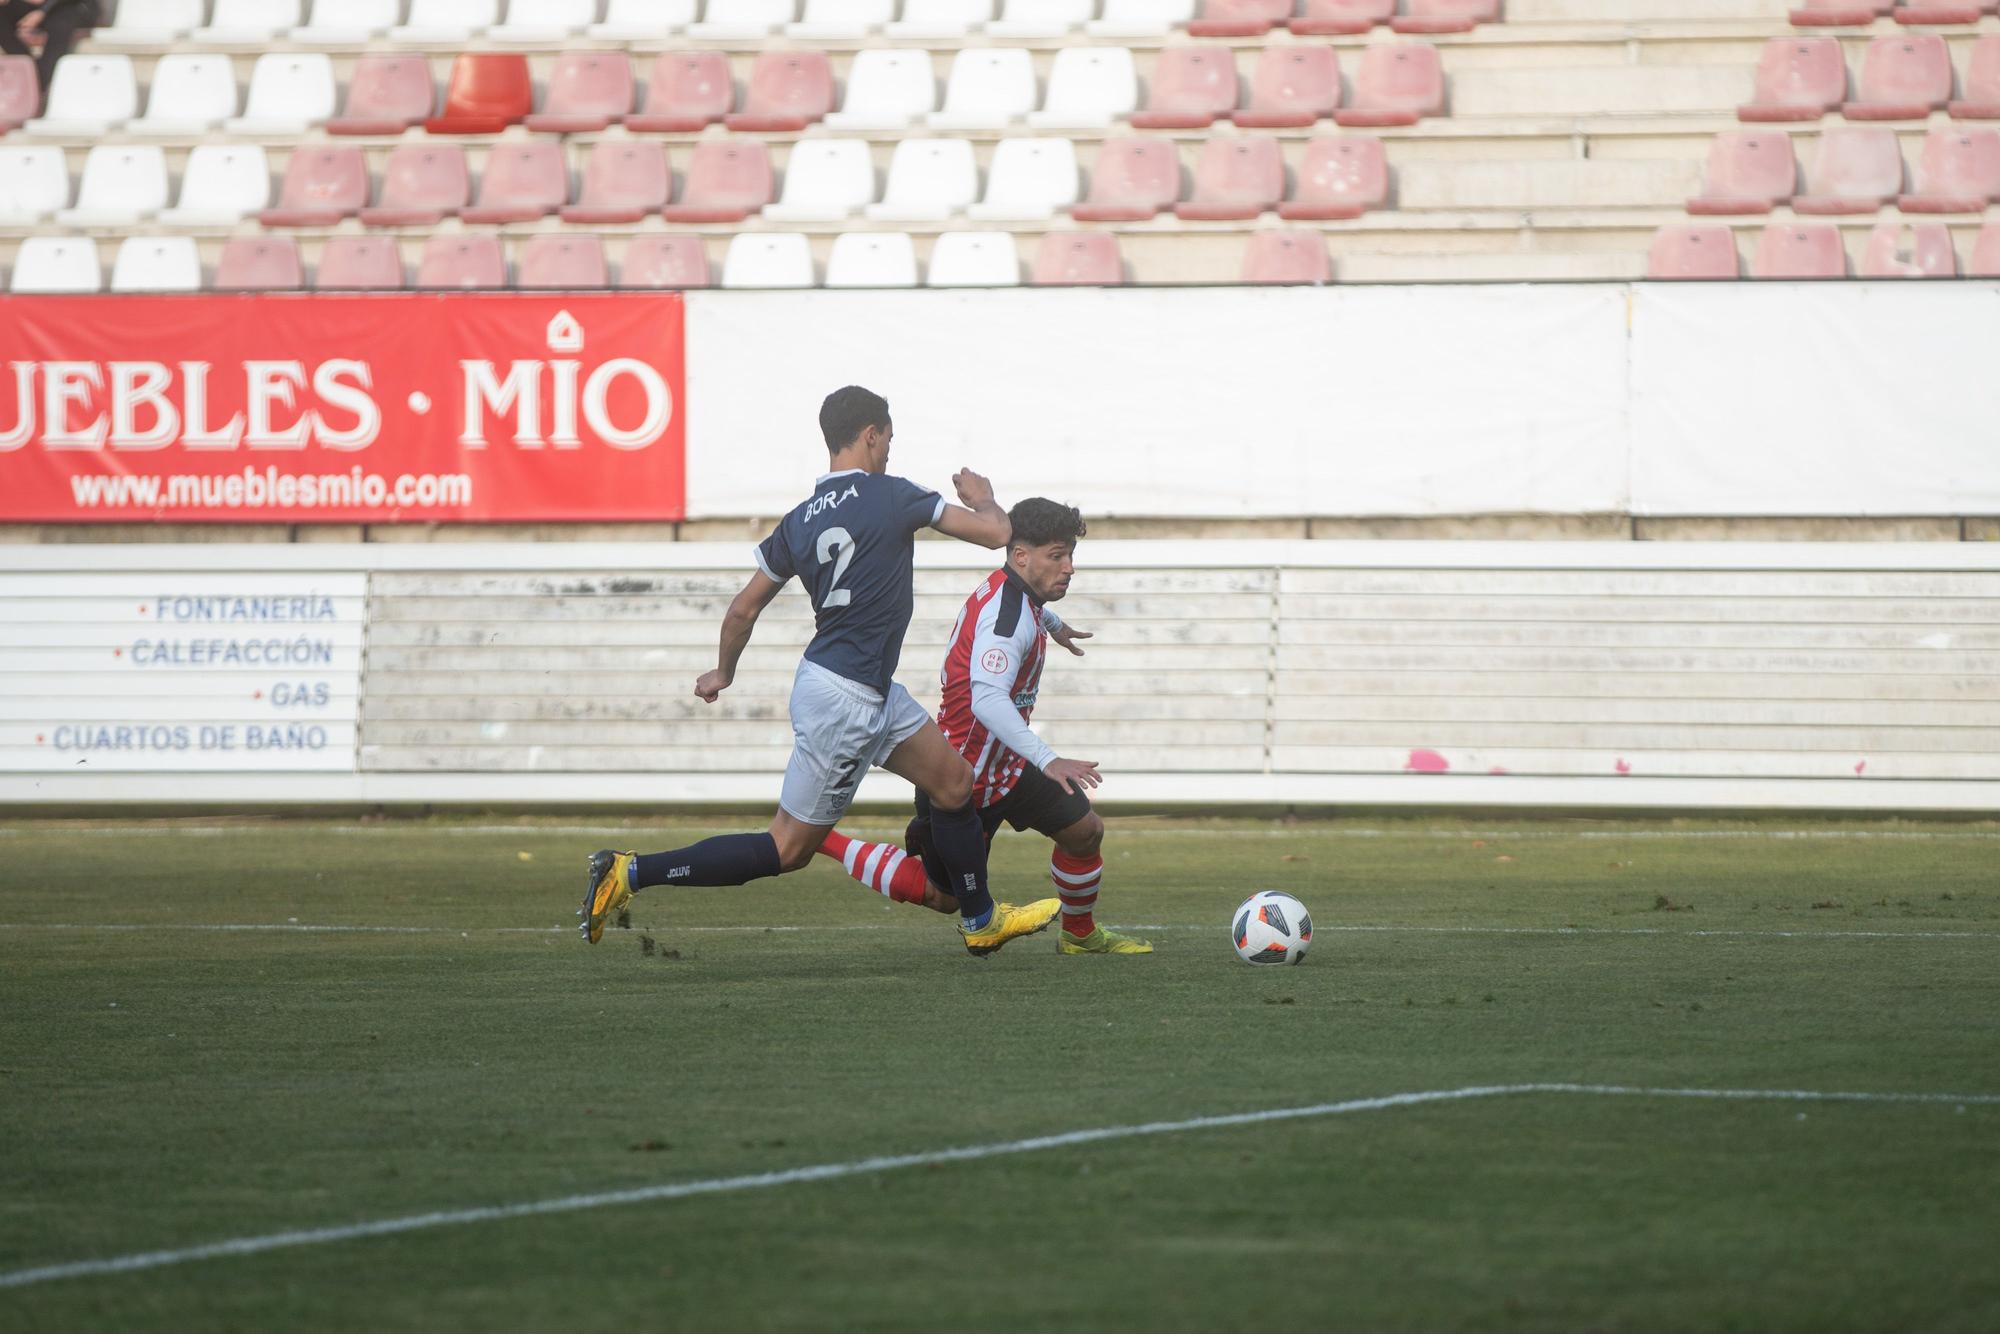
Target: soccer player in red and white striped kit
{"type": "Point", "coordinates": [992, 675]}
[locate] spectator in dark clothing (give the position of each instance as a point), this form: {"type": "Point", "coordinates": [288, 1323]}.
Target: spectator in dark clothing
{"type": "Point", "coordinates": [44, 29]}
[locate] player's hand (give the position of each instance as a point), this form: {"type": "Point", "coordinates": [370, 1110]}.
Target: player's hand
{"type": "Point", "coordinates": [1080, 773]}
{"type": "Point", "coordinates": [974, 491]}
{"type": "Point", "coordinates": [711, 684]}
{"type": "Point", "coordinates": [1067, 637]}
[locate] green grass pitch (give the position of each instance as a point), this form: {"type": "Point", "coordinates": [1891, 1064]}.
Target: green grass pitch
{"type": "Point", "coordinates": [163, 1086]}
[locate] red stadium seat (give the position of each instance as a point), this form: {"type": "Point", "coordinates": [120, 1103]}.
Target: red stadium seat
{"type": "Point", "coordinates": [1342, 18]}
{"type": "Point", "coordinates": [386, 95]}
{"type": "Point", "coordinates": [1980, 92]}
{"type": "Point", "coordinates": [523, 181]}
{"type": "Point", "coordinates": [588, 91]}
{"type": "Point", "coordinates": [1192, 85]}
{"type": "Point", "coordinates": [1986, 253]}
{"type": "Point", "coordinates": [1239, 18]}
{"type": "Point", "coordinates": [1799, 250]}
{"type": "Point", "coordinates": [422, 185]}
{"type": "Point", "coordinates": [1840, 13]}
{"type": "Point", "coordinates": [1959, 172]}
{"type": "Point", "coordinates": [624, 181]}
{"type": "Point", "coordinates": [1749, 171]}
{"type": "Point", "coordinates": [1688, 252]}
{"type": "Point", "coordinates": [1903, 250]}
{"type": "Point", "coordinates": [1133, 180]}
{"type": "Point", "coordinates": [788, 91]}
{"type": "Point", "coordinates": [1798, 78]}
{"type": "Point", "coordinates": [20, 95]}
{"type": "Point", "coordinates": [1447, 15]}
{"type": "Point", "coordinates": [1293, 86]}
{"type": "Point", "coordinates": [1939, 13]}
{"type": "Point", "coordinates": [670, 262]}
{"type": "Point", "coordinates": [1339, 179]}
{"type": "Point", "coordinates": [727, 181]}
{"type": "Point", "coordinates": [323, 184]}
{"type": "Point", "coordinates": [259, 264]}
{"type": "Point", "coordinates": [488, 92]}
{"type": "Point", "coordinates": [462, 260]}
{"type": "Point", "coordinates": [1235, 178]}
{"type": "Point", "coordinates": [1902, 78]}
{"type": "Point", "coordinates": [1078, 259]}
{"type": "Point", "coordinates": [1398, 84]}
{"type": "Point", "coordinates": [360, 263]}
{"type": "Point", "coordinates": [1855, 170]}
{"type": "Point", "coordinates": [1288, 257]}
{"type": "Point", "coordinates": [562, 259]}
{"type": "Point", "coordinates": [686, 92]}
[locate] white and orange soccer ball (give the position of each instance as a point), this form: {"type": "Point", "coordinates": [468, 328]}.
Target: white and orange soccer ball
{"type": "Point", "coordinates": [1271, 928]}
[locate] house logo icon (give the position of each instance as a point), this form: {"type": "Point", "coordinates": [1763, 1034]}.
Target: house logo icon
{"type": "Point", "coordinates": [565, 334]}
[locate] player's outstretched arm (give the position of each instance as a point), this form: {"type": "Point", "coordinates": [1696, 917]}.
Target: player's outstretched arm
{"type": "Point", "coordinates": [979, 519]}
{"type": "Point", "coordinates": [737, 623]}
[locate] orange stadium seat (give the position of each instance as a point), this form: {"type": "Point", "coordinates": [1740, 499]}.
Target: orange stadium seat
{"type": "Point", "coordinates": [20, 95]}
{"type": "Point", "coordinates": [1749, 171]}
{"type": "Point", "coordinates": [1854, 170]}
{"type": "Point", "coordinates": [1903, 250]}
{"type": "Point", "coordinates": [1192, 86]}
{"type": "Point", "coordinates": [1339, 178]}
{"type": "Point", "coordinates": [1133, 180]}
{"type": "Point", "coordinates": [1447, 15]}
{"type": "Point", "coordinates": [462, 260]}
{"type": "Point", "coordinates": [1078, 259]}
{"type": "Point", "coordinates": [1690, 252]}
{"type": "Point", "coordinates": [1985, 253]}
{"type": "Point", "coordinates": [1798, 78]}
{"type": "Point", "coordinates": [672, 262]}
{"type": "Point", "coordinates": [323, 184]}
{"type": "Point", "coordinates": [727, 181]}
{"type": "Point", "coordinates": [1799, 250]}
{"type": "Point", "coordinates": [1292, 87]}
{"type": "Point", "coordinates": [624, 181]}
{"type": "Point", "coordinates": [588, 91]}
{"type": "Point", "coordinates": [1341, 18]}
{"type": "Point", "coordinates": [1959, 172]}
{"type": "Point", "coordinates": [360, 264]}
{"type": "Point", "coordinates": [687, 91]}
{"type": "Point", "coordinates": [1287, 257]}
{"type": "Point", "coordinates": [1235, 178]}
{"type": "Point", "coordinates": [422, 185]}
{"type": "Point", "coordinates": [1943, 12]}
{"type": "Point", "coordinates": [523, 182]}
{"type": "Point", "coordinates": [557, 259]}
{"type": "Point", "coordinates": [1979, 94]}
{"type": "Point", "coordinates": [788, 90]}
{"type": "Point", "coordinates": [259, 264]}
{"type": "Point", "coordinates": [386, 95]}
{"type": "Point", "coordinates": [1902, 78]}
{"type": "Point", "coordinates": [1397, 84]}
{"type": "Point", "coordinates": [1840, 13]}
{"type": "Point", "coordinates": [488, 92]}
{"type": "Point", "coordinates": [1239, 18]}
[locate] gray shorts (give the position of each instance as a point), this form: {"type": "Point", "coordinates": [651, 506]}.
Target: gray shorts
{"type": "Point", "coordinates": [840, 730]}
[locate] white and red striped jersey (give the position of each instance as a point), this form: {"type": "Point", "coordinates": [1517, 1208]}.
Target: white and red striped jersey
{"type": "Point", "coordinates": [992, 674]}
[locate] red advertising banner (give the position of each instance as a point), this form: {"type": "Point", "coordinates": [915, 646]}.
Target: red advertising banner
{"type": "Point", "coordinates": [375, 408]}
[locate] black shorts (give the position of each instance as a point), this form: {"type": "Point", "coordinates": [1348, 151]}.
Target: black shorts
{"type": "Point", "coordinates": [1037, 802]}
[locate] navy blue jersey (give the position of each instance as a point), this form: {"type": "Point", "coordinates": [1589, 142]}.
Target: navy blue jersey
{"type": "Point", "coordinates": [853, 545]}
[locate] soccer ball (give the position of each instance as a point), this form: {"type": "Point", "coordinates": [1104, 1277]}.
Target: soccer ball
{"type": "Point", "coordinates": [1272, 927]}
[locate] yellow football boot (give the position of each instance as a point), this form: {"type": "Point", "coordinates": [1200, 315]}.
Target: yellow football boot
{"type": "Point", "coordinates": [1100, 941]}
{"type": "Point", "coordinates": [1008, 922]}
{"type": "Point", "coordinates": [607, 888]}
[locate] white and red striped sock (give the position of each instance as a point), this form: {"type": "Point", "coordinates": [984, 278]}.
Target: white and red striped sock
{"type": "Point", "coordinates": [883, 867]}
{"type": "Point", "coordinates": [1076, 880]}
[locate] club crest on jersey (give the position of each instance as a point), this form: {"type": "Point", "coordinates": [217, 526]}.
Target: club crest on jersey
{"type": "Point", "coordinates": [995, 661]}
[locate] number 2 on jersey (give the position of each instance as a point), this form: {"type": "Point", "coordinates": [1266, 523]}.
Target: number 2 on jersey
{"type": "Point", "coordinates": [836, 545]}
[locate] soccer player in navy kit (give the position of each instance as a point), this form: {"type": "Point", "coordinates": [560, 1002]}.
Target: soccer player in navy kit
{"type": "Point", "coordinates": [853, 544]}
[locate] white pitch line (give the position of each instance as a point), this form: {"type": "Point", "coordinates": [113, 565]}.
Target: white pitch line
{"type": "Point", "coordinates": [383, 1227]}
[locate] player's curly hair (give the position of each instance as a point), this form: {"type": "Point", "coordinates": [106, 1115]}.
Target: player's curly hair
{"type": "Point", "coordinates": [848, 412]}
{"type": "Point", "coordinates": [1039, 521]}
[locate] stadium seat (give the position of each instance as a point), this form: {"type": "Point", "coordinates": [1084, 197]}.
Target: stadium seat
{"type": "Point", "coordinates": [685, 92]}
{"type": "Point", "coordinates": [742, 20]}
{"type": "Point", "coordinates": [641, 20]}
{"type": "Point", "coordinates": [1030, 19]}
{"type": "Point", "coordinates": [1941, 12]}
{"type": "Point", "coordinates": [1078, 259]}
{"type": "Point", "coordinates": [34, 185]}
{"type": "Point", "coordinates": [767, 259]}
{"type": "Point", "coordinates": [543, 21]}
{"type": "Point", "coordinates": [1985, 253]}
{"type": "Point", "coordinates": [869, 259]}
{"type": "Point", "coordinates": [190, 95]}
{"type": "Point", "coordinates": [727, 181]}
{"type": "Point", "coordinates": [974, 259]}
{"type": "Point", "coordinates": [787, 91]}
{"type": "Point", "coordinates": [1902, 78]}
{"type": "Point", "coordinates": [1979, 97]}
{"type": "Point", "coordinates": [886, 90]}
{"type": "Point", "coordinates": [1089, 88]}
{"type": "Point", "coordinates": [1029, 180]}
{"type": "Point", "coordinates": [422, 185]}
{"type": "Point", "coordinates": [1142, 18]}
{"type": "Point", "coordinates": [826, 180]}
{"type": "Point", "coordinates": [945, 20]}
{"type": "Point", "coordinates": [1191, 87]}
{"type": "Point", "coordinates": [1397, 84]}
{"type": "Point", "coordinates": [1959, 172]}
{"type": "Point", "coordinates": [840, 20]}
{"type": "Point", "coordinates": [1341, 18]}
{"type": "Point", "coordinates": [1239, 18]}
{"type": "Point", "coordinates": [1132, 181]}
{"type": "Point", "coordinates": [675, 262]}
{"type": "Point", "coordinates": [523, 181]}
{"type": "Point", "coordinates": [360, 264]}
{"type": "Point", "coordinates": [47, 264]}
{"type": "Point", "coordinates": [1798, 78]}
{"type": "Point", "coordinates": [563, 259]}
{"type": "Point", "coordinates": [1427, 16]}
{"type": "Point", "coordinates": [462, 260]}
{"type": "Point", "coordinates": [386, 95]}
{"type": "Point", "coordinates": [588, 90]}
{"type": "Point", "coordinates": [1854, 170]}
{"type": "Point", "coordinates": [323, 184]}
{"type": "Point", "coordinates": [290, 93]}
{"type": "Point", "coordinates": [347, 22]}
{"type": "Point", "coordinates": [1799, 250]}
{"type": "Point", "coordinates": [1904, 250]}
{"type": "Point", "coordinates": [1839, 13]}
{"type": "Point", "coordinates": [487, 93]}
{"type": "Point", "coordinates": [248, 22]}
{"type": "Point", "coordinates": [1235, 179]}
{"type": "Point", "coordinates": [122, 183]}
{"type": "Point", "coordinates": [1701, 251]}
{"type": "Point", "coordinates": [987, 89]}
{"type": "Point", "coordinates": [88, 95]}
{"type": "Point", "coordinates": [1749, 171]}
{"type": "Point", "coordinates": [929, 180]}
{"type": "Point", "coordinates": [221, 185]}
{"type": "Point", "coordinates": [1286, 257]}
{"type": "Point", "coordinates": [445, 22]}
{"type": "Point", "coordinates": [20, 93]}
{"type": "Point", "coordinates": [624, 181]}
{"type": "Point", "coordinates": [259, 264]}
{"type": "Point", "coordinates": [1292, 87]}
{"type": "Point", "coordinates": [156, 264]}
{"type": "Point", "coordinates": [1339, 178]}
{"type": "Point", "coordinates": [149, 23]}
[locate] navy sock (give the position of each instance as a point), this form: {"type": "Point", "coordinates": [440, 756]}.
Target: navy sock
{"type": "Point", "coordinates": [959, 841]}
{"type": "Point", "coordinates": [728, 859]}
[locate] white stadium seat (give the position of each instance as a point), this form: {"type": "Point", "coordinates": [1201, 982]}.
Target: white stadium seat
{"type": "Point", "coordinates": [940, 18]}
{"type": "Point", "coordinates": [34, 185]}
{"type": "Point", "coordinates": [987, 89]}
{"type": "Point", "coordinates": [446, 22]}
{"type": "Point", "coordinates": [88, 95]}
{"type": "Point", "coordinates": [1089, 88]}
{"type": "Point", "coordinates": [221, 185]}
{"type": "Point", "coordinates": [157, 264]}
{"type": "Point", "coordinates": [841, 20]}
{"type": "Point", "coordinates": [739, 20]}
{"type": "Point", "coordinates": [974, 259]}
{"type": "Point", "coordinates": [826, 180]}
{"type": "Point", "coordinates": [191, 94]}
{"type": "Point", "coordinates": [149, 23]}
{"type": "Point", "coordinates": [122, 183]}
{"type": "Point", "coordinates": [637, 20]}
{"type": "Point", "coordinates": [290, 92]}
{"type": "Point", "coordinates": [887, 89]}
{"type": "Point", "coordinates": [1040, 18]}
{"type": "Point", "coordinates": [544, 20]}
{"type": "Point", "coordinates": [1031, 180]}
{"type": "Point", "coordinates": [768, 259]}
{"type": "Point", "coordinates": [1141, 18]}
{"type": "Point", "coordinates": [347, 22]}
{"type": "Point", "coordinates": [56, 264]}
{"type": "Point", "coordinates": [929, 180]}
{"type": "Point", "coordinates": [248, 22]}
{"type": "Point", "coordinates": [872, 259]}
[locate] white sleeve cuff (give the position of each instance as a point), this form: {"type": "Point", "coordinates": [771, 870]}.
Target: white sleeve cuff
{"type": "Point", "coordinates": [937, 513]}
{"type": "Point", "coordinates": [758, 552]}
{"type": "Point", "coordinates": [1050, 621]}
